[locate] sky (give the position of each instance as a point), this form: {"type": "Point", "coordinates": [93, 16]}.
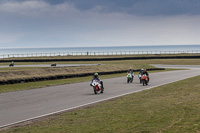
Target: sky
{"type": "Point", "coordinates": [94, 23]}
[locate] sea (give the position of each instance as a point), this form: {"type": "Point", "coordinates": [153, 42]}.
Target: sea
{"type": "Point", "coordinates": [5, 52]}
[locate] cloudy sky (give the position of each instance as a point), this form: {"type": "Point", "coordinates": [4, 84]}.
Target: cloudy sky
{"type": "Point", "coordinates": [75, 23]}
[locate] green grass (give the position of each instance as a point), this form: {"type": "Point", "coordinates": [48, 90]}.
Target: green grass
{"type": "Point", "coordinates": [169, 108]}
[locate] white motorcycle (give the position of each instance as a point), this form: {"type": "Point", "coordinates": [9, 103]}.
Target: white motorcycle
{"type": "Point", "coordinates": [129, 77]}
{"type": "Point", "coordinates": [140, 77]}
{"type": "Point", "coordinates": [97, 87]}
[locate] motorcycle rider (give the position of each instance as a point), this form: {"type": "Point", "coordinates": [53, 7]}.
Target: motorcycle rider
{"type": "Point", "coordinates": [12, 63]}
{"type": "Point", "coordinates": [131, 71]}
{"type": "Point", "coordinates": [140, 74]}
{"type": "Point", "coordinates": [96, 77]}
{"type": "Point", "coordinates": [141, 71]}
{"type": "Point", "coordinates": [145, 72]}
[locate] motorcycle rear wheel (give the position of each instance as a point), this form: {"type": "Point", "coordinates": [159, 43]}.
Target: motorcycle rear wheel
{"type": "Point", "coordinates": [127, 80]}
{"type": "Point", "coordinates": [140, 80]}
{"type": "Point", "coordinates": [102, 89]}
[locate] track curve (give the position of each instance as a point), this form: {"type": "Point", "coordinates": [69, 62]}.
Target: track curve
{"type": "Point", "coordinates": [19, 106]}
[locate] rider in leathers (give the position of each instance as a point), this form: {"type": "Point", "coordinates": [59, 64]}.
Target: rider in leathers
{"type": "Point", "coordinates": [96, 77]}
{"type": "Point", "coordinates": [141, 71]}
{"type": "Point", "coordinates": [145, 72]}
{"type": "Point", "coordinates": [131, 71]}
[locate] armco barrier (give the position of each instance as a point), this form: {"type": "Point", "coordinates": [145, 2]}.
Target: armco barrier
{"type": "Point", "coordinates": [35, 79]}
{"type": "Point", "coordinates": [106, 59]}
{"type": "Point", "coordinates": [97, 53]}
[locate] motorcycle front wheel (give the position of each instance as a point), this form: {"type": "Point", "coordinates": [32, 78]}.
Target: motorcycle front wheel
{"type": "Point", "coordinates": [95, 91]}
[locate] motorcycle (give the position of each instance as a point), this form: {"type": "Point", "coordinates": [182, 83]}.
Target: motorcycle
{"type": "Point", "coordinates": [97, 87]}
{"type": "Point", "coordinates": [145, 79]}
{"type": "Point", "coordinates": [11, 65]}
{"type": "Point", "coordinates": [129, 78]}
{"type": "Point", "coordinates": [54, 64]}
{"type": "Point", "coordinates": [140, 77]}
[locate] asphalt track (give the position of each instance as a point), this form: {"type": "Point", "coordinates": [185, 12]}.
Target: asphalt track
{"type": "Point", "coordinates": [25, 105]}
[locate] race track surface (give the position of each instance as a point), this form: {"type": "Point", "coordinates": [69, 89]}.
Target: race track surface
{"type": "Point", "coordinates": [25, 105]}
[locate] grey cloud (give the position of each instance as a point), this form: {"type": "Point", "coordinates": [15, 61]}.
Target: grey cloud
{"type": "Point", "coordinates": [116, 22]}
{"type": "Point", "coordinates": [135, 7]}
{"type": "Point", "coordinates": [139, 7]}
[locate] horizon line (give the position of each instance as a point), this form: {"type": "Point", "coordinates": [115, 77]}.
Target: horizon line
{"type": "Point", "coordinates": [101, 46]}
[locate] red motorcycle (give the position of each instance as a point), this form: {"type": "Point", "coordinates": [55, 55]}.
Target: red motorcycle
{"type": "Point", "coordinates": [97, 87]}
{"type": "Point", "coordinates": [145, 79]}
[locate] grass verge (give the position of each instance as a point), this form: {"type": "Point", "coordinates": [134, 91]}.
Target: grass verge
{"type": "Point", "coordinates": [170, 108]}
{"type": "Point", "coordinates": [30, 72]}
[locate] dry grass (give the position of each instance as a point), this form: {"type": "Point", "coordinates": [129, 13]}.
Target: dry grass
{"type": "Point", "coordinates": [13, 73]}
{"type": "Point", "coordinates": [47, 71]}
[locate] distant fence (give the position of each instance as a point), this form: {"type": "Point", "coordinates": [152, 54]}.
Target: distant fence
{"type": "Point", "coordinates": [98, 53]}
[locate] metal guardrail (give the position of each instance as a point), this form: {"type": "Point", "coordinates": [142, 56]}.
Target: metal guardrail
{"type": "Point", "coordinates": [98, 53]}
